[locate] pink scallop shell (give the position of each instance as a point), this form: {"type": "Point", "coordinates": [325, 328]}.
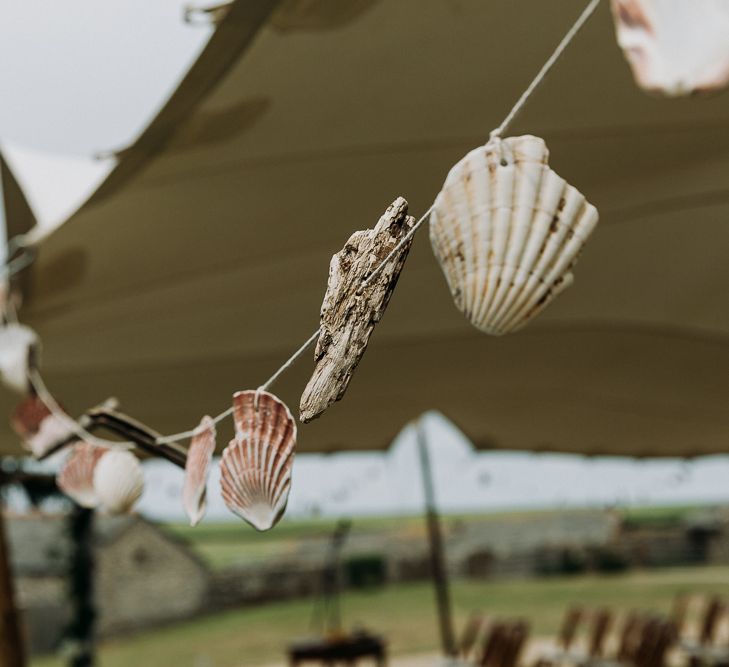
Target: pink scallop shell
{"type": "Point", "coordinates": [76, 478]}
{"type": "Point", "coordinates": [39, 428]}
{"type": "Point", "coordinates": [197, 468]}
{"type": "Point", "coordinates": [256, 465]}
{"type": "Point", "coordinates": [28, 415]}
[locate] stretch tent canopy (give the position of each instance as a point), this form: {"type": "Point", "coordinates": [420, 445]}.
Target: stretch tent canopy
{"type": "Point", "coordinates": [201, 262]}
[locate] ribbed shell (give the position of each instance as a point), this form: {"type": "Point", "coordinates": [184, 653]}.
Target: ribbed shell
{"type": "Point", "coordinates": [19, 347]}
{"type": "Point", "coordinates": [197, 468]}
{"type": "Point", "coordinates": [76, 478]}
{"type": "Point", "coordinates": [38, 427]}
{"type": "Point", "coordinates": [53, 430]}
{"type": "Point", "coordinates": [255, 470]}
{"type": "Point", "coordinates": [118, 481]}
{"type": "Point", "coordinates": [28, 415]}
{"type": "Point", "coordinates": [675, 47]}
{"type": "Point", "coordinates": [507, 230]}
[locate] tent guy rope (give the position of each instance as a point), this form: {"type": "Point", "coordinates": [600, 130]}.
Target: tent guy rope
{"type": "Point", "coordinates": [53, 406]}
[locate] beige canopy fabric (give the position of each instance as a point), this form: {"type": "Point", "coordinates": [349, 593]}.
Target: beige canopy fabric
{"type": "Point", "coordinates": [201, 263]}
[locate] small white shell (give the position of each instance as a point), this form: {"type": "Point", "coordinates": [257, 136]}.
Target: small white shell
{"type": "Point", "coordinates": [675, 47]}
{"type": "Point", "coordinates": [118, 481]}
{"type": "Point", "coordinates": [197, 468]}
{"type": "Point", "coordinates": [53, 430]}
{"type": "Point", "coordinates": [255, 470]}
{"type": "Point", "coordinates": [76, 478]}
{"type": "Point", "coordinates": [19, 347]}
{"type": "Point", "coordinates": [507, 230]}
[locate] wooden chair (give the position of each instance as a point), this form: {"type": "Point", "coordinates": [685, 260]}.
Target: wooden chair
{"type": "Point", "coordinates": [698, 651]}
{"type": "Point", "coordinates": [570, 624]}
{"type": "Point", "coordinates": [644, 642]}
{"type": "Point", "coordinates": [565, 637]}
{"type": "Point", "coordinates": [472, 632]}
{"type": "Point", "coordinates": [504, 643]}
{"type": "Point", "coordinates": [493, 645]}
{"type": "Point", "coordinates": [630, 637]}
{"type": "Point", "coordinates": [714, 609]}
{"type": "Point", "coordinates": [516, 637]}
{"type": "Point", "coordinates": [602, 621]}
{"type": "Point", "coordinates": [679, 612]}
{"type": "Point", "coordinates": [657, 637]}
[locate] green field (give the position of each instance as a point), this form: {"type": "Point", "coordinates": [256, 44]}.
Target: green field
{"type": "Point", "coordinates": [224, 544]}
{"type": "Point", "coordinates": [405, 614]}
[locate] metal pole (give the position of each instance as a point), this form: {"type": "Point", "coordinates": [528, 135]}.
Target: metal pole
{"type": "Point", "coordinates": [80, 633]}
{"type": "Point", "coordinates": [437, 558]}
{"type": "Point", "coordinates": [12, 650]}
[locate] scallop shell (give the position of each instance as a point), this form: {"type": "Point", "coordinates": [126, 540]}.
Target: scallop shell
{"type": "Point", "coordinates": [19, 347]}
{"type": "Point", "coordinates": [256, 466]}
{"type": "Point", "coordinates": [673, 46]}
{"type": "Point", "coordinates": [40, 429]}
{"type": "Point", "coordinates": [507, 230]}
{"type": "Point", "coordinates": [197, 468]}
{"type": "Point", "coordinates": [53, 430]}
{"type": "Point", "coordinates": [118, 481]}
{"type": "Point", "coordinates": [76, 478]}
{"type": "Point", "coordinates": [28, 415]}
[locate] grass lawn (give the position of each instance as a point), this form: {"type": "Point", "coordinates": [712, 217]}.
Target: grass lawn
{"type": "Point", "coordinates": [405, 614]}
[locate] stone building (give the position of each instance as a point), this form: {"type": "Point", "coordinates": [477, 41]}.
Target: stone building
{"type": "Point", "coordinates": [142, 575]}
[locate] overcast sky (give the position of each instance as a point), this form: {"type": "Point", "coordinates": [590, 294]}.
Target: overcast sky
{"type": "Point", "coordinates": [83, 76]}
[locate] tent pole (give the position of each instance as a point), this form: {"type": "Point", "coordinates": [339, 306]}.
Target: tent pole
{"type": "Point", "coordinates": [81, 585]}
{"type": "Point", "coordinates": [435, 538]}
{"type": "Point", "coordinates": [12, 650]}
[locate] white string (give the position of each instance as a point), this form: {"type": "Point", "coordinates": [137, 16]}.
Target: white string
{"type": "Point", "coordinates": [57, 411]}
{"type": "Point", "coordinates": [184, 435]}
{"type": "Point", "coordinates": [39, 386]}
{"type": "Point", "coordinates": [290, 361]}
{"type": "Point", "coordinates": [496, 133]}
{"type": "Point", "coordinates": [571, 33]}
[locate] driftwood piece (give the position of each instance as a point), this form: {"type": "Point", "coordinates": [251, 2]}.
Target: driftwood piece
{"type": "Point", "coordinates": [349, 313]}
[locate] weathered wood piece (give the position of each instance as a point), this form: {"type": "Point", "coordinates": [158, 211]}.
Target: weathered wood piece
{"type": "Point", "coordinates": [350, 312]}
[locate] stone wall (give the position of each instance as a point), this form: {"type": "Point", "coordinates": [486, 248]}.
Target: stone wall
{"type": "Point", "coordinates": [144, 578]}
{"type": "Point", "coordinates": [718, 549]}
{"type": "Point", "coordinates": [44, 611]}
{"type": "Point", "coordinates": [263, 583]}
{"type": "Point", "coordinates": [660, 548]}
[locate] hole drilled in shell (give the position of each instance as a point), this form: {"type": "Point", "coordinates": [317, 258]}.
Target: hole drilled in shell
{"type": "Point", "coordinates": [507, 237]}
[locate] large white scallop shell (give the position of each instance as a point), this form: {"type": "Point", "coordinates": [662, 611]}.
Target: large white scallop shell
{"type": "Point", "coordinates": [255, 470]}
{"type": "Point", "coordinates": [118, 481]}
{"type": "Point", "coordinates": [19, 348]}
{"type": "Point", "coordinates": [675, 47]}
{"type": "Point", "coordinates": [507, 230]}
{"type": "Point", "coordinates": [76, 477]}
{"type": "Point", "coordinates": [197, 468]}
